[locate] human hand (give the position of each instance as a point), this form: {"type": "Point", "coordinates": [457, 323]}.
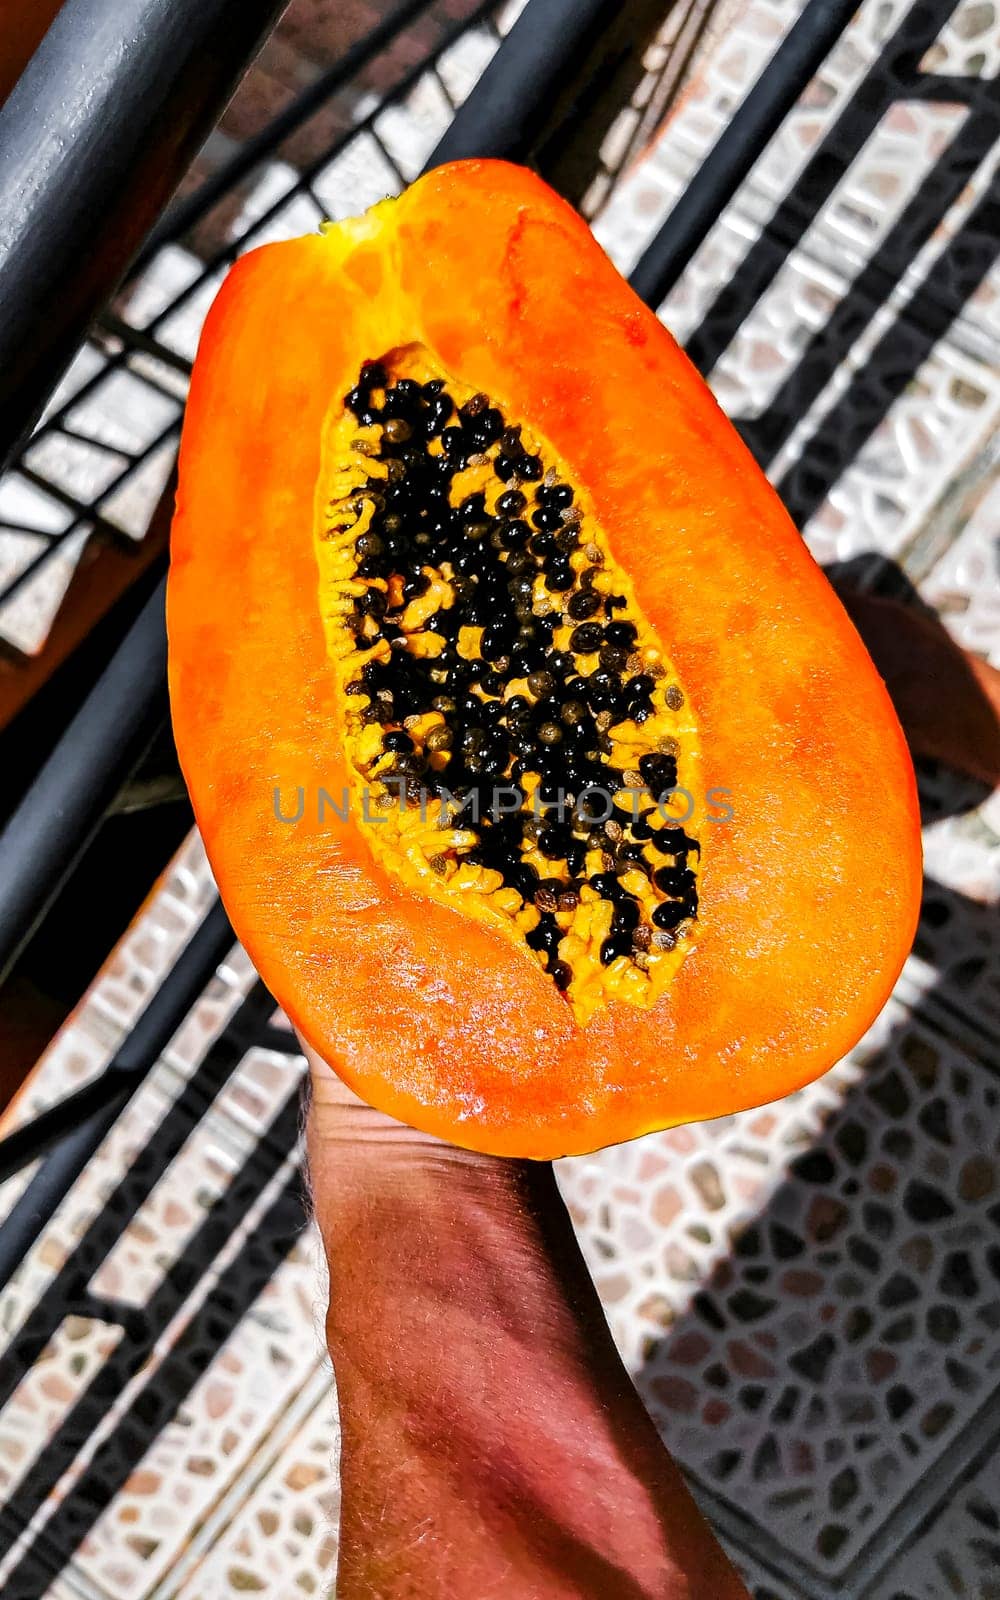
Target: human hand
{"type": "Point", "coordinates": [492, 1442]}
{"type": "Point", "coordinates": [947, 700]}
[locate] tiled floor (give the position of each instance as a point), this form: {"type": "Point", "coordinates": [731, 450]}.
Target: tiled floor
{"type": "Point", "coordinates": [809, 1294]}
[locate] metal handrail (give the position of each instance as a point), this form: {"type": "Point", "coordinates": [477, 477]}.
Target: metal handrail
{"type": "Point", "coordinates": [798, 57]}
{"type": "Point", "coordinates": [57, 817]}
{"type": "Point", "coordinates": [77, 1125]}
{"type": "Point", "coordinates": [537, 57]}
{"type": "Point", "coordinates": [103, 124]}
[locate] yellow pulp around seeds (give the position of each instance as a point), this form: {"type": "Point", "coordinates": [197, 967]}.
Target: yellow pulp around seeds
{"type": "Point", "coordinates": [423, 843]}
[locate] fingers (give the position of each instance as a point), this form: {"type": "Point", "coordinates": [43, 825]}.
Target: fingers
{"type": "Point", "coordinates": [947, 700]}
{"type": "Point", "coordinates": [341, 1119]}
{"type": "Point", "coordinates": [359, 1156]}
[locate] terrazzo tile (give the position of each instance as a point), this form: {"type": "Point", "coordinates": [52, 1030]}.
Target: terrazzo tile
{"type": "Point", "coordinates": [956, 957]}
{"type": "Point", "coordinates": [282, 1539]}
{"type": "Point", "coordinates": [889, 163]}
{"type": "Point", "coordinates": [899, 154]}
{"type": "Point", "coordinates": [151, 944]}
{"type": "Point", "coordinates": [811, 1341]}
{"type": "Point", "coordinates": [945, 417]}
{"type": "Point", "coordinates": [264, 1080]}
{"type": "Point", "coordinates": [948, 409]}
{"type": "Point", "coordinates": [85, 1200]}
{"type": "Point", "coordinates": [157, 1236]}
{"type": "Point", "coordinates": [245, 1389]}
{"type": "Point", "coordinates": [48, 1391]}
{"type": "Point", "coordinates": [964, 586]}
{"type": "Point", "coordinates": [958, 1556]}
{"type": "Point", "coordinates": [214, 1008]}
{"type": "Point", "coordinates": [763, 1585]}
{"type": "Point", "coordinates": [75, 1057]}
{"type": "Point", "coordinates": [64, 1587]}
{"type": "Point", "coordinates": [246, 1385]}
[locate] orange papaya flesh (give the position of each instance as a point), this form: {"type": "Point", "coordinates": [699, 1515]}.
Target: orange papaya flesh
{"type": "Point", "coordinates": [545, 779]}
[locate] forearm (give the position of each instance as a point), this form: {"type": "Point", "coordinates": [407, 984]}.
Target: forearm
{"type": "Point", "coordinates": [492, 1442]}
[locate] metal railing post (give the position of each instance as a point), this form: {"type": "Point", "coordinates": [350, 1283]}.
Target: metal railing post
{"type": "Point", "coordinates": [95, 137]}
{"type": "Point", "coordinates": [754, 123]}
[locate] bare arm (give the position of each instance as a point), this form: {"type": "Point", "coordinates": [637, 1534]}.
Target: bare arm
{"type": "Point", "coordinates": [493, 1444]}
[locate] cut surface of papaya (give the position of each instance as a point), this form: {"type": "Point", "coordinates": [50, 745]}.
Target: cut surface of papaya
{"type": "Point", "coordinates": [544, 777]}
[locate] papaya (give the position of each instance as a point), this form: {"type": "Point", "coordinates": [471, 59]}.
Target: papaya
{"type": "Point", "coordinates": [543, 775]}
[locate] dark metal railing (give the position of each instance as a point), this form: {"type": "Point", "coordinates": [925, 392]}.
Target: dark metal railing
{"type": "Point", "coordinates": [513, 98]}
{"type": "Point", "coordinates": [71, 1131]}
{"type": "Point", "coordinates": [798, 57]}
{"type": "Point", "coordinates": [94, 139]}
{"type": "Point", "coordinates": [57, 817]}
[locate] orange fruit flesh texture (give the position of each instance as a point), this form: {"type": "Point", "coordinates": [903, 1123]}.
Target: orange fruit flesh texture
{"type": "Point", "coordinates": [807, 898]}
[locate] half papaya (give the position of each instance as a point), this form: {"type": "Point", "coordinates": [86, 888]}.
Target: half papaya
{"type": "Point", "coordinates": [545, 780]}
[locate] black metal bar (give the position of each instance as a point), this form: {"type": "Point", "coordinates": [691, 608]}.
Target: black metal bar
{"type": "Point", "coordinates": [185, 213]}
{"type": "Point", "coordinates": [798, 57]}
{"type": "Point", "coordinates": [35, 1138]}
{"type": "Point", "coordinates": [133, 1060]}
{"type": "Point", "coordinates": [508, 107]}
{"type": "Point", "coordinates": [239, 1284]}
{"type": "Point", "coordinates": [59, 814]}
{"type": "Point", "coordinates": [94, 139]}
{"type": "Point", "coordinates": [158, 1149]}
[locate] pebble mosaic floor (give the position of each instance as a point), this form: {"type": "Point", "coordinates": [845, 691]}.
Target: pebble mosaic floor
{"type": "Point", "coordinates": [808, 1294]}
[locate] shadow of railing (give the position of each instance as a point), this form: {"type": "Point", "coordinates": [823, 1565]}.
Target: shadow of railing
{"type": "Point", "coordinates": [824, 1384]}
{"type": "Point", "coordinates": [830, 1371]}
{"type": "Point", "coordinates": [836, 436]}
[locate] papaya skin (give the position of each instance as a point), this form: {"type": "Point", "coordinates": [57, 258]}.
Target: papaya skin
{"type": "Point", "coordinates": [809, 895]}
